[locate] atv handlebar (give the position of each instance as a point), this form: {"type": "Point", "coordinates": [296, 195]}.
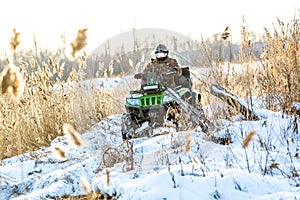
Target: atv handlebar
{"type": "Point", "coordinates": [170, 72]}
{"type": "Point", "coordinates": [138, 76]}
{"type": "Point", "coordinates": [145, 75]}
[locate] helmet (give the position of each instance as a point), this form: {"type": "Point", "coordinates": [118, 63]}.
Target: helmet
{"type": "Point", "coordinates": [161, 52]}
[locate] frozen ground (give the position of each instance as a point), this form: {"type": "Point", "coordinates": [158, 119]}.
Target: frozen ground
{"type": "Point", "coordinates": [174, 165]}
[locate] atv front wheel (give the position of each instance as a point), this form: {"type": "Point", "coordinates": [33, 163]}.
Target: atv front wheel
{"type": "Point", "coordinates": [128, 127]}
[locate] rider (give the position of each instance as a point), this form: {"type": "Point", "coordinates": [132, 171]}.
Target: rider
{"type": "Point", "coordinates": [161, 64]}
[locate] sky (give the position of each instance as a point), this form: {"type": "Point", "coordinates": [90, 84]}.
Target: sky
{"type": "Point", "coordinates": [48, 20]}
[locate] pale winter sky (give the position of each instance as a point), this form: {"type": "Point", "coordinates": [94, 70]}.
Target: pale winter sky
{"type": "Point", "coordinates": [48, 20]}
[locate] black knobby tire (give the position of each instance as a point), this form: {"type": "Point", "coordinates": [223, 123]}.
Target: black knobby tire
{"type": "Point", "coordinates": [128, 127]}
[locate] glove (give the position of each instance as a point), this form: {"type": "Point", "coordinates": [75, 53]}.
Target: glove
{"type": "Point", "coordinates": [138, 76]}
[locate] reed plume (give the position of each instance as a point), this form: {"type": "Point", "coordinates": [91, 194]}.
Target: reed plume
{"type": "Point", "coordinates": [74, 137]}
{"type": "Point", "coordinates": [225, 35]}
{"type": "Point", "coordinates": [79, 43]}
{"type": "Point", "coordinates": [248, 139]}
{"type": "Point", "coordinates": [85, 185]}
{"type": "Point", "coordinates": [11, 81]}
{"type": "Point", "coordinates": [59, 153]}
{"type": "Point", "coordinates": [15, 40]}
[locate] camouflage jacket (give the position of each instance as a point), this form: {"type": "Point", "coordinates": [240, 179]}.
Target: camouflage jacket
{"type": "Point", "coordinates": [160, 67]}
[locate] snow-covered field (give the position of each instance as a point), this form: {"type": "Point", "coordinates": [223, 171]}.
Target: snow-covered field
{"type": "Point", "coordinates": [174, 165]}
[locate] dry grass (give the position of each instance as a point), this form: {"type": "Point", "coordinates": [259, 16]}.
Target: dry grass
{"type": "Point", "coordinates": [40, 113]}
{"type": "Point", "coordinates": [33, 114]}
{"type": "Point", "coordinates": [275, 74]}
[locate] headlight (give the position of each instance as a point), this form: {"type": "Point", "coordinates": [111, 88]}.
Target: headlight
{"type": "Point", "coordinates": [134, 102]}
{"type": "Point", "coordinates": [150, 87]}
{"type": "Point", "coordinates": [167, 99]}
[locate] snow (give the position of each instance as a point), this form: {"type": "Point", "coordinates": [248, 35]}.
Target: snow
{"type": "Point", "coordinates": [90, 84]}
{"type": "Point", "coordinates": [296, 105]}
{"type": "Point", "coordinates": [164, 167]}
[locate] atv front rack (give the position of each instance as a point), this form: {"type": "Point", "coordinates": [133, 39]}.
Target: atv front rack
{"type": "Point", "coordinates": [135, 92]}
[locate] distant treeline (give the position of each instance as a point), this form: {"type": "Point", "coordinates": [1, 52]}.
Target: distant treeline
{"type": "Point", "coordinates": [188, 53]}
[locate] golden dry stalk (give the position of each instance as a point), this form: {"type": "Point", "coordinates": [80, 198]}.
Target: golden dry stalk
{"type": "Point", "coordinates": [196, 161]}
{"type": "Point", "coordinates": [248, 139]}
{"type": "Point", "coordinates": [12, 81]}
{"type": "Point", "coordinates": [107, 177]}
{"type": "Point", "coordinates": [80, 42]}
{"type": "Point", "coordinates": [188, 143]}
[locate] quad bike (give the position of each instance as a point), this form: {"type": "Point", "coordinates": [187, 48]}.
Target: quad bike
{"type": "Point", "coordinates": [158, 102]}
{"type": "Point", "coordinates": [150, 107]}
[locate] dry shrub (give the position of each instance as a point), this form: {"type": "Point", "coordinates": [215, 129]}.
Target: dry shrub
{"type": "Point", "coordinates": [275, 74]}
{"type": "Point", "coordinates": [39, 114]}
{"type": "Point", "coordinates": [281, 63]}
{"type": "Point", "coordinates": [239, 77]}
{"type": "Point", "coordinates": [104, 104]}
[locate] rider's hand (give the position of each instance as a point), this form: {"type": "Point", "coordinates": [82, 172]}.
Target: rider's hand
{"type": "Point", "coordinates": [138, 76]}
